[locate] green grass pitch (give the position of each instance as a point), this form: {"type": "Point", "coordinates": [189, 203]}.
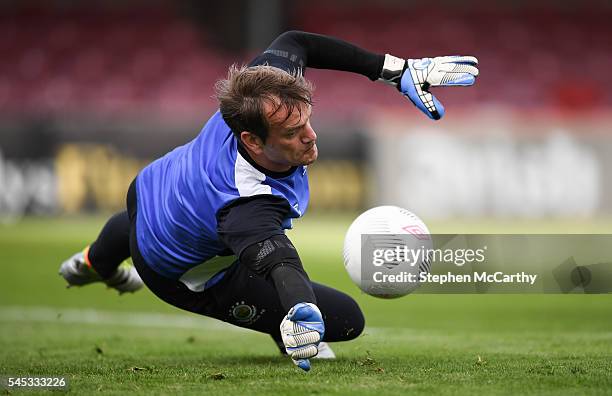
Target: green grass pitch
{"type": "Point", "coordinates": [419, 344]}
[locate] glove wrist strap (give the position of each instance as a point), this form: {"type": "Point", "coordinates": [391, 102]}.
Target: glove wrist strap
{"type": "Point", "coordinates": [392, 70]}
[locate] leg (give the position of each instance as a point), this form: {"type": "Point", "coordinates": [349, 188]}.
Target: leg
{"type": "Point", "coordinates": [100, 262]}
{"type": "Point", "coordinates": [112, 246]}
{"type": "Point", "coordinates": [168, 290]}
{"type": "Point", "coordinates": [247, 300]}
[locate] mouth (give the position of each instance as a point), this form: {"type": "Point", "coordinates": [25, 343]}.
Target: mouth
{"type": "Point", "coordinates": [310, 149]}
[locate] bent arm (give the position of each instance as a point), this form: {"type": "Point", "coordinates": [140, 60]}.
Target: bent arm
{"type": "Point", "coordinates": [252, 229]}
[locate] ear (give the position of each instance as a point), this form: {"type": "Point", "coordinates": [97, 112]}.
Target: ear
{"type": "Point", "coordinates": [251, 142]}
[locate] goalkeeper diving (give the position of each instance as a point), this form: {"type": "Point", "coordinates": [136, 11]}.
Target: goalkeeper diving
{"type": "Point", "coordinates": [205, 224]}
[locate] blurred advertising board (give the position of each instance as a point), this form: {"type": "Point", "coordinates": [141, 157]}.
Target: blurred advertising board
{"type": "Point", "coordinates": [494, 165]}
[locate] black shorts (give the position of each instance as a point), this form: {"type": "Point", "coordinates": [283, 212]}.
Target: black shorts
{"type": "Point", "coordinates": [244, 298]}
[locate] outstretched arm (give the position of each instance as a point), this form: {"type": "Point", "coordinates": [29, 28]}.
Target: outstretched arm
{"type": "Point", "coordinates": [294, 51]}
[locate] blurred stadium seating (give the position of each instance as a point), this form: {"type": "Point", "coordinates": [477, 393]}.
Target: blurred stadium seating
{"type": "Point", "coordinates": [101, 60]}
{"type": "Point", "coordinates": [91, 61]}
{"type": "Point", "coordinates": [543, 57]}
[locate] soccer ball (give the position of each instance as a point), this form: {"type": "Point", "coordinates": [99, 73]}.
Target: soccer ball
{"type": "Point", "coordinates": [386, 249]}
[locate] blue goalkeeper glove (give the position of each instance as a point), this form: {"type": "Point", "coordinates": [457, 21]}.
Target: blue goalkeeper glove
{"type": "Point", "coordinates": [414, 77]}
{"type": "Point", "coordinates": [302, 330]}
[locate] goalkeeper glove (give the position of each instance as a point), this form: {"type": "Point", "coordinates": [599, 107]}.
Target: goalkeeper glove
{"type": "Point", "coordinates": [414, 77]}
{"type": "Point", "coordinates": [302, 330]}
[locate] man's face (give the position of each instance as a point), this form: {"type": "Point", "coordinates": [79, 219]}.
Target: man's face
{"type": "Point", "coordinates": [291, 140]}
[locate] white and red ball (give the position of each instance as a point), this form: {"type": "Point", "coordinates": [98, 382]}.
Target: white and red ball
{"type": "Point", "coordinates": [386, 227]}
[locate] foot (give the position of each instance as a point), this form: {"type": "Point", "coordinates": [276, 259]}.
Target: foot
{"type": "Point", "coordinates": [77, 273]}
{"type": "Point", "coordinates": [325, 351]}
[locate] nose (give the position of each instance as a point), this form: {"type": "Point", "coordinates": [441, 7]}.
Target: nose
{"type": "Point", "coordinates": [309, 135]}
